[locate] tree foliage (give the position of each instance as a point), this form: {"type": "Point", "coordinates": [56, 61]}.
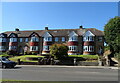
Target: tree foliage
{"type": "Point", "coordinates": [59, 50]}
{"type": "Point", "coordinates": [112, 34]}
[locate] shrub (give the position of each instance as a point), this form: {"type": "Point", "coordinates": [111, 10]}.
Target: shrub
{"type": "Point", "coordinates": [34, 53]}
{"type": "Point", "coordinates": [12, 52]}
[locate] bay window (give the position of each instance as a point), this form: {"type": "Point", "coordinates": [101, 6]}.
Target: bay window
{"type": "Point", "coordinates": [46, 48]}
{"type": "Point", "coordinates": [73, 38]}
{"type": "Point", "coordinates": [73, 48]}
{"type": "Point", "coordinates": [88, 48]}
{"type": "Point", "coordinates": [3, 39]}
{"type": "Point", "coordinates": [12, 47]}
{"type": "Point", "coordinates": [33, 48]}
{"type": "Point", "coordinates": [34, 39]}
{"type": "Point", "coordinates": [47, 38]}
{"type": "Point", "coordinates": [13, 39]}
{"type": "Point", "coordinates": [88, 38]}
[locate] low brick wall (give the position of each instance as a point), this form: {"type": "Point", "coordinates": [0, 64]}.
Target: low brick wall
{"type": "Point", "coordinates": [29, 63]}
{"type": "Point", "coordinates": [83, 63]}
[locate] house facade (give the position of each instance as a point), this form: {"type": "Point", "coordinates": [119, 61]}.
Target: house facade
{"type": "Point", "coordinates": [87, 41]}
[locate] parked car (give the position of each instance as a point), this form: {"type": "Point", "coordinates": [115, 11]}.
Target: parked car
{"type": "Point", "coordinates": [6, 63]}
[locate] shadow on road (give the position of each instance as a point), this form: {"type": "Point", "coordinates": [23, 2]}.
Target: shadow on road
{"type": "Point", "coordinates": [17, 67]}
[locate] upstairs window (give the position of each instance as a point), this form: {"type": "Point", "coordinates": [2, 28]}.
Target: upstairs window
{"type": "Point", "coordinates": [46, 48]}
{"type": "Point", "coordinates": [26, 39]}
{"type": "Point", "coordinates": [63, 39]}
{"type": "Point", "coordinates": [21, 39]}
{"type": "Point", "coordinates": [100, 39]}
{"type": "Point", "coordinates": [3, 39]}
{"type": "Point", "coordinates": [88, 38]}
{"type": "Point", "coordinates": [47, 38]}
{"type": "Point", "coordinates": [56, 39]}
{"type": "Point", "coordinates": [13, 39]}
{"type": "Point", "coordinates": [34, 39]}
{"type": "Point", "coordinates": [73, 38]}
{"type": "Point", "coordinates": [33, 48]}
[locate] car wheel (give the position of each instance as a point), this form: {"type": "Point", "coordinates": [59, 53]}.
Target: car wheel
{"type": "Point", "coordinates": [12, 66]}
{"type": "Point", "coordinates": [3, 66]}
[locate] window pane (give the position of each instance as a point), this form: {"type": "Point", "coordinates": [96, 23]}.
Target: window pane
{"type": "Point", "coordinates": [63, 38]}
{"type": "Point", "coordinates": [20, 39]}
{"type": "Point", "coordinates": [56, 38]}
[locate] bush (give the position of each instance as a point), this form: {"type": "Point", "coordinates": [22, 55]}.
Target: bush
{"type": "Point", "coordinates": [34, 53]}
{"type": "Point", "coordinates": [27, 53]}
{"type": "Point", "coordinates": [59, 51]}
{"type": "Point", "coordinates": [12, 52]}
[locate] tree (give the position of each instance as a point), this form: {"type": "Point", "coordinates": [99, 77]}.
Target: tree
{"type": "Point", "coordinates": [59, 50]}
{"type": "Point", "coordinates": [112, 34]}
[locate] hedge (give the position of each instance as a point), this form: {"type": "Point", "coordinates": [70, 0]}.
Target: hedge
{"type": "Point", "coordinates": [85, 56]}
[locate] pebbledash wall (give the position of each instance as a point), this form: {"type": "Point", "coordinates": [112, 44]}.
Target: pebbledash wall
{"type": "Point", "coordinates": [85, 41]}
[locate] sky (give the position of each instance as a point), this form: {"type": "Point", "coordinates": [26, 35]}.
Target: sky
{"type": "Point", "coordinates": [56, 15]}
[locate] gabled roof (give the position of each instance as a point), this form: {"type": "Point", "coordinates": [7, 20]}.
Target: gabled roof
{"type": "Point", "coordinates": [3, 35]}
{"type": "Point", "coordinates": [88, 33]}
{"type": "Point", "coordinates": [73, 33]}
{"type": "Point", "coordinates": [57, 32]}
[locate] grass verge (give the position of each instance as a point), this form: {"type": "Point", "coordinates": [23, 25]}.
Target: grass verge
{"type": "Point", "coordinates": [24, 58]}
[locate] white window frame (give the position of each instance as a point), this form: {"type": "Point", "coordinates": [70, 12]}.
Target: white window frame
{"type": "Point", "coordinates": [47, 38]}
{"type": "Point", "coordinates": [12, 47]}
{"type": "Point", "coordinates": [88, 48]}
{"type": "Point", "coordinates": [2, 48]}
{"type": "Point", "coordinates": [73, 38]}
{"type": "Point", "coordinates": [3, 39]}
{"type": "Point", "coordinates": [34, 39]}
{"type": "Point", "coordinates": [13, 39]}
{"type": "Point", "coordinates": [88, 38]}
{"type": "Point", "coordinates": [56, 39]}
{"type": "Point", "coordinates": [33, 48]}
{"type": "Point", "coordinates": [73, 48]}
{"type": "Point", "coordinates": [46, 48]}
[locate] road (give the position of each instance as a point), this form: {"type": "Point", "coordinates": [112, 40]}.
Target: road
{"type": "Point", "coordinates": [44, 73]}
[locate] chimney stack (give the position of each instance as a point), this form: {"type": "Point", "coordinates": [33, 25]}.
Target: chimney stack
{"type": "Point", "coordinates": [81, 27]}
{"type": "Point", "coordinates": [16, 29]}
{"type": "Point", "coordinates": [46, 28]}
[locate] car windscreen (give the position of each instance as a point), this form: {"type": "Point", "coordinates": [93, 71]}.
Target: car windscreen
{"type": "Point", "coordinates": [5, 59]}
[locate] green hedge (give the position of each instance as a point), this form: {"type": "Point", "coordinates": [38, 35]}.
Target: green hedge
{"type": "Point", "coordinates": [85, 56]}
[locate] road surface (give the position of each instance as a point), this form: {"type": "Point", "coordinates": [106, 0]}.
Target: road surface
{"type": "Point", "coordinates": [44, 73]}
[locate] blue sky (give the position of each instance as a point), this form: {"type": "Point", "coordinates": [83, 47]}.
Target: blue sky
{"type": "Point", "coordinates": [56, 15]}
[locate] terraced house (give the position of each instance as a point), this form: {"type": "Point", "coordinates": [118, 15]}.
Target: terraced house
{"type": "Point", "coordinates": [85, 41]}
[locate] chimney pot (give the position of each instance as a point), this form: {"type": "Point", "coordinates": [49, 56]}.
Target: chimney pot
{"type": "Point", "coordinates": [81, 27]}
{"type": "Point", "coordinates": [46, 28]}
{"type": "Point", "coordinates": [16, 29]}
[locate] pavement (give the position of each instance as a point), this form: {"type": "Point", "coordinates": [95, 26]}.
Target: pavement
{"type": "Point", "coordinates": [64, 66]}
{"type": "Point", "coordinates": [60, 73]}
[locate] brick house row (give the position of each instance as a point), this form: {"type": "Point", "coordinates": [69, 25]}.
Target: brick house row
{"type": "Point", "coordinates": [79, 41]}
